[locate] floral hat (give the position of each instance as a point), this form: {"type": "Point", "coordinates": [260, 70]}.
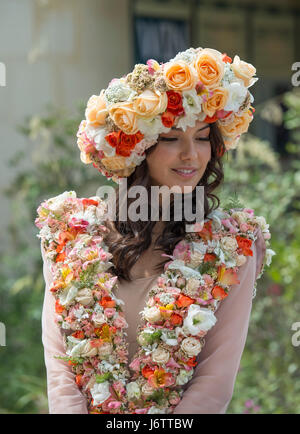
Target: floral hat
{"type": "Point", "coordinates": [128, 116]}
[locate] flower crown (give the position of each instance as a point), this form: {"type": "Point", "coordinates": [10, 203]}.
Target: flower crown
{"type": "Point", "coordinates": [127, 117]}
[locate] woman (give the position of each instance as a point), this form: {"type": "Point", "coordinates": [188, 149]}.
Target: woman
{"type": "Point", "coordinates": [168, 126]}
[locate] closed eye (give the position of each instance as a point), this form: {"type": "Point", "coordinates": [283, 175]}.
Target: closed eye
{"type": "Point", "coordinates": [171, 139]}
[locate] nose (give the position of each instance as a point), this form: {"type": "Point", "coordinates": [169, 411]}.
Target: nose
{"type": "Point", "coordinates": [189, 150]}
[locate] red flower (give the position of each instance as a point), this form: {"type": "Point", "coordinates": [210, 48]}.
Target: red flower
{"type": "Point", "coordinates": [61, 257]}
{"type": "Point", "coordinates": [226, 58]}
{"type": "Point", "coordinates": [87, 202]}
{"type": "Point", "coordinates": [58, 307]}
{"type": "Point", "coordinates": [124, 143]}
{"type": "Point", "coordinates": [147, 371]}
{"type": "Point", "coordinates": [176, 319]}
{"type": "Point", "coordinates": [107, 302]}
{"type": "Point", "coordinates": [210, 120]}
{"type": "Point", "coordinates": [168, 119]}
{"type": "Point", "coordinates": [174, 103]}
{"type": "Point", "coordinates": [79, 334]}
{"type": "Point", "coordinates": [191, 362]}
{"type": "Point", "coordinates": [208, 257]}
{"type": "Point", "coordinates": [244, 244]}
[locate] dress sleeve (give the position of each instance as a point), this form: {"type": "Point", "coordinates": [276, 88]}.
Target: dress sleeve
{"type": "Point", "coordinates": [64, 397]}
{"type": "Point", "coordinates": [211, 388]}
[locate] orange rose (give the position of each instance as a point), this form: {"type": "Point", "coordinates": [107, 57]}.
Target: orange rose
{"type": "Point", "coordinates": [149, 103]}
{"type": "Point", "coordinates": [216, 102]}
{"type": "Point", "coordinates": [96, 110]}
{"type": "Point", "coordinates": [168, 119]}
{"type": "Point", "coordinates": [244, 71]}
{"type": "Point", "coordinates": [209, 67]}
{"type": "Point", "coordinates": [239, 125]}
{"type": "Point", "coordinates": [107, 301]}
{"type": "Point", "coordinates": [180, 76]}
{"type": "Point", "coordinates": [124, 116]}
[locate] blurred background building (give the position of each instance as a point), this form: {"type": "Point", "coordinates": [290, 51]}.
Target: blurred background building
{"type": "Point", "coordinates": [62, 51]}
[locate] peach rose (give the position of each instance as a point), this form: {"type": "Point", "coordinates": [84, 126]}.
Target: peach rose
{"type": "Point", "coordinates": [114, 163]}
{"type": "Point", "coordinates": [216, 102]}
{"type": "Point", "coordinates": [180, 76]}
{"type": "Point", "coordinates": [96, 110]}
{"type": "Point", "coordinates": [124, 116]}
{"type": "Point", "coordinates": [209, 67]}
{"type": "Point", "coordinates": [149, 104]}
{"type": "Point", "coordinates": [244, 71]}
{"type": "Point", "coordinates": [239, 126]}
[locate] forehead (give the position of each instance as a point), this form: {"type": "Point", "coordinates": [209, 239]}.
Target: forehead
{"type": "Point", "coordinates": [200, 128]}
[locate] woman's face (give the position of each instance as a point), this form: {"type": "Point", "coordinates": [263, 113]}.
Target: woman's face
{"type": "Point", "coordinates": [180, 157]}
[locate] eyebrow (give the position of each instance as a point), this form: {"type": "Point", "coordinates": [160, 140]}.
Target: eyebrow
{"type": "Point", "coordinates": [200, 129]}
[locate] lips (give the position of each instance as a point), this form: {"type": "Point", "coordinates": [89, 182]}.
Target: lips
{"type": "Point", "coordinates": [185, 173]}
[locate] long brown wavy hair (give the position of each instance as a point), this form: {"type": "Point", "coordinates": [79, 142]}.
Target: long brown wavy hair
{"type": "Point", "coordinates": [136, 237]}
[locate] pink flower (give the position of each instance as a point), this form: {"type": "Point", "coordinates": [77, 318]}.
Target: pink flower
{"type": "Point", "coordinates": [172, 363]}
{"type": "Point", "coordinates": [135, 365]}
{"type": "Point", "coordinates": [244, 227]}
{"type": "Point", "coordinates": [141, 410]}
{"type": "Point", "coordinates": [227, 223]}
{"type": "Point", "coordinates": [120, 322]}
{"type": "Point", "coordinates": [112, 405]}
{"type": "Point", "coordinates": [109, 311]}
{"type": "Point", "coordinates": [249, 211]}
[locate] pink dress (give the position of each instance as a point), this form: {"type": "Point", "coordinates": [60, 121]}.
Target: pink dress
{"type": "Point", "coordinates": [211, 388]}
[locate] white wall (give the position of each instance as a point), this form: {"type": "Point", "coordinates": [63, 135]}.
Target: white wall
{"type": "Point", "coordinates": [58, 51]}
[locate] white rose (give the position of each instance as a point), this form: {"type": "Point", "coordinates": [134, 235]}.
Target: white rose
{"type": "Point", "coordinates": [100, 392]}
{"type": "Point", "coordinates": [240, 217]}
{"type": "Point", "coordinates": [191, 346]}
{"type": "Point", "coordinates": [152, 314]}
{"type": "Point", "coordinates": [88, 350]}
{"type": "Point", "coordinates": [147, 390]}
{"type": "Point", "coordinates": [99, 319]}
{"type": "Point", "coordinates": [184, 376]}
{"type": "Point", "coordinates": [198, 319]}
{"type": "Point", "coordinates": [105, 349]}
{"type": "Point", "coordinates": [85, 297]}
{"type": "Point", "coordinates": [228, 243]}
{"type": "Point", "coordinates": [133, 390]}
{"type": "Point", "coordinates": [160, 355]}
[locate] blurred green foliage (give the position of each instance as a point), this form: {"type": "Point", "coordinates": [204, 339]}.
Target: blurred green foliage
{"type": "Point", "coordinates": [268, 380]}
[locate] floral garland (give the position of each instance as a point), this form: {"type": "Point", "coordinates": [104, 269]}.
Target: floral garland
{"type": "Point", "coordinates": [178, 313]}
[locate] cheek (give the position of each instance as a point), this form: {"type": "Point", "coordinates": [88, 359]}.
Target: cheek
{"type": "Point", "coordinates": [161, 158]}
